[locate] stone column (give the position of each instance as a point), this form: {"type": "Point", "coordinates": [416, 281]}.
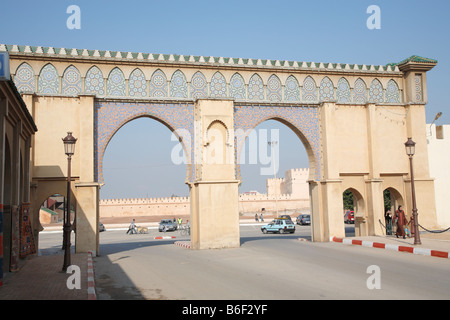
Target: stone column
{"type": "Point", "coordinates": [214, 192]}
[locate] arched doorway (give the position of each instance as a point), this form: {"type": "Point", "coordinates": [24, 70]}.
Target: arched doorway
{"type": "Point", "coordinates": [354, 213]}
{"type": "Point", "coordinates": [145, 170]}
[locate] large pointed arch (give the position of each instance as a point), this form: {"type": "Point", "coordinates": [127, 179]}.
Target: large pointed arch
{"type": "Point", "coordinates": [111, 116]}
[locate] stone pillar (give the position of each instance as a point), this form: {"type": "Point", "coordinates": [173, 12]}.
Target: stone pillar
{"type": "Point", "coordinates": [214, 192]}
{"type": "Point", "coordinates": [86, 190]}
{"type": "Point", "coordinates": [330, 189]}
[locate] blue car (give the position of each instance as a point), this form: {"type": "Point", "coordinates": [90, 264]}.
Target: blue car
{"type": "Point", "coordinates": [279, 226]}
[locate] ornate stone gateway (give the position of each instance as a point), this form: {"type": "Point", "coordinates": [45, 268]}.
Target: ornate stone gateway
{"type": "Point", "coordinates": [352, 119]}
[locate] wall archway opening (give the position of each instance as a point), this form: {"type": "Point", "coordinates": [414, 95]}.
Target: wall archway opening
{"type": "Point", "coordinates": [274, 169]}
{"type": "Point", "coordinates": [145, 171]}
{"type": "Point", "coordinates": [354, 213]}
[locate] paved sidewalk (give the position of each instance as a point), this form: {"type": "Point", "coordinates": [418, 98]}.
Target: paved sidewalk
{"type": "Point", "coordinates": [432, 244]}
{"type": "Point", "coordinates": [42, 278]}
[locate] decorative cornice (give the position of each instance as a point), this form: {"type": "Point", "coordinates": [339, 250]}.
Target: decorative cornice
{"type": "Point", "coordinates": [175, 59]}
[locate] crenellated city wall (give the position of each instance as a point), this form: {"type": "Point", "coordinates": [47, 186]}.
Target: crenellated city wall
{"type": "Point", "coordinates": [180, 206]}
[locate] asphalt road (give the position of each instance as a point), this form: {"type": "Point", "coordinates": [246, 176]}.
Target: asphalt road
{"type": "Point", "coordinates": [265, 267]}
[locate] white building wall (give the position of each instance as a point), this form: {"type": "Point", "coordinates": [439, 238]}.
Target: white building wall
{"type": "Point", "coordinates": [439, 160]}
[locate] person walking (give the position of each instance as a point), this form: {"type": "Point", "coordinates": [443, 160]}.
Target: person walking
{"type": "Point", "coordinates": [256, 217]}
{"type": "Point", "coordinates": [132, 227]}
{"type": "Point", "coordinates": [388, 220]}
{"type": "Point", "coordinates": [401, 222]}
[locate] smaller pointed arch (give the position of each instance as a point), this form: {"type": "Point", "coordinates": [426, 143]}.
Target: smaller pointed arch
{"type": "Point", "coordinates": [178, 85]}
{"type": "Point", "coordinates": [291, 89]}
{"type": "Point", "coordinates": [326, 90]}
{"type": "Point", "coordinates": [94, 83]}
{"type": "Point", "coordinates": [137, 84]}
{"type": "Point", "coordinates": [255, 88]}
{"type": "Point", "coordinates": [48, 82]}
{"type": "Point", "coordinates": [71, 81]}
{"type": "Point", "coordinates": [360, 92]}
{"type": "Point", "coordinates": [376, 93]}
{"type": "Point", "coordinates": [309, 90]}
{"type": "Point", "coordinates": [274, 92]}
{"type": "Point", "coordinates": [199, 86]}
{"type": "Point", "coordinates": [218, 86]}
{"type": "Point", "coordinates": [24, 78]}
{"type": "Point", "coordinates": [116, 85]}
{"type": "Point", "coordinates": [392, 92]}
{"type": "Point", "coordinates": [343, 91]}
{"type": "Point", "coordinates": [237, 87]}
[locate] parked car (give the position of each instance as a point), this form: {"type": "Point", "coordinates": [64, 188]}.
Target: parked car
{"type": "Point", "coordinates": [279, 225]}
{"type": "Point", "coordinates": [101, 227]}
{"type": "Point", "coordinates": [349, 217]}
{"type": "Point", "coordinates": [285, 216]}
{"type": "Point", "coordinates": [304, 219]}
{"type": "Point", "coordinates": [168, 224]}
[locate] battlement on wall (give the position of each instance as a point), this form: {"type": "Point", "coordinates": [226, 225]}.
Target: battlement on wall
{"type": "Point", "coordinates": [143, 201]}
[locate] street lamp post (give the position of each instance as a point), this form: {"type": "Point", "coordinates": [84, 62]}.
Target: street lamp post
{"type": "Point", "coordinates": [410, 150]}
{"type": "Point", "coordinates": [69, 149]}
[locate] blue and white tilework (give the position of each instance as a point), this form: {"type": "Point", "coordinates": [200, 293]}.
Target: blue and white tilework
{"type": "Point", "coordinates": [343, 92]}
{"type": "Point", "coordinates": [178, 85]}
{"type": "Point", "coordinates": [159, 85]}
{"type": "Point", "coordinates": [255, 88]}
{"type": "Point", "coordinates": [392, 92]}
{"type": "Point", "coordinates": [360, 92]}
{"type": "Point", "coordinates": [237, 87]}
{"type": "Point", "coordinates": [291, 89]}
{"type": "Point", "coordinates": [326, 90]}
{"type": "Point", "coordinates": [274, 89]}
{"type": "Point", "coordinates": [199, 86]}
{"type": "Point", "coordinates": [218, 86]}
{"type": "Point", "coordinates": [309, 90]}
{"type": "Point", "coordinates": [71, 82]}
{"type": "Point", "coordinates": [376, 93]}
{"type": "Point", "coordinates": [48, 80]}
{"type": "Point", "coordinates": [137, 84]}
{"type": "Point", "coordinates": [24, 78]}
{"type": "Point", "coordinates": [94, 82]}
{"type": "Point", "coordinates": [116, 85]}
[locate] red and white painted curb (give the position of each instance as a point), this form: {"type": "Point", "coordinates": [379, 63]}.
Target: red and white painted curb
{"type": "Point", "coordinates": [90, 274]}
{"type": "Point", "coordinates": [164, 237]}
{"type": "Point", "coordinates": [394, 247]}
{"type": "Point", "coordinates": [184, 244]}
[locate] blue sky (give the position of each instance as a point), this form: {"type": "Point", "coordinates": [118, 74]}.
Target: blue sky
{"type": "Point", "coordinates": [325, 31]}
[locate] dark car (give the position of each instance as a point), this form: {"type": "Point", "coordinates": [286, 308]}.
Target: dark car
{"type": "Point", "coordinates": [101, 227]}
{"type": "Point", "coordinates": [285, 216]}
{"type": "Point", "coordinates": [167, 225]}
{"type": "Point", "coordinates": [304, 219]}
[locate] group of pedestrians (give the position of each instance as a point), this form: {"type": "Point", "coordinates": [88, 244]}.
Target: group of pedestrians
{"type": "Point", "coordinates": [260, 217]}
{"type": "Point", "coordinates": [399, 220]}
